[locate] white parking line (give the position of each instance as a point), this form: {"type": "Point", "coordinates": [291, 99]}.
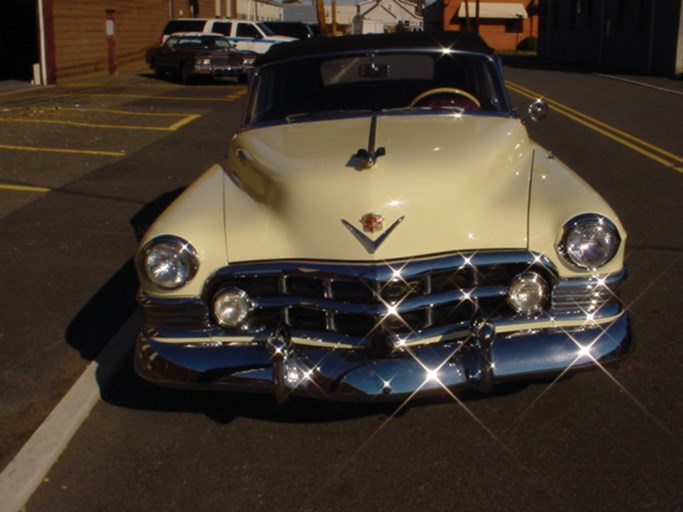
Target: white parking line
{"type": "Point", "coordinates": [638, 83]}
{"type": "Point", "coordinates": [23, 475]}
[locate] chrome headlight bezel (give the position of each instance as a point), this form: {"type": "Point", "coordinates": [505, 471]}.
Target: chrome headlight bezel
{"type": "Point", "coordinates": [528, 293]}
{"type": "Point", "coordinates": [589, 242]}
{"type": "Point", "coordinates": [236, 303]}
{"type": "Point", "coordinates": [168, 262]}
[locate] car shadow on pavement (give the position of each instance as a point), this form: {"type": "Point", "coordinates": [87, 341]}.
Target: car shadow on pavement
{"type": "Point", "coordinates": [104, 314]}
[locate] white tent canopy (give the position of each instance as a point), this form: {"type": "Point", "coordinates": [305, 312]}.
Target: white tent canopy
{"type": "Point", "coordinates": [497, 10]}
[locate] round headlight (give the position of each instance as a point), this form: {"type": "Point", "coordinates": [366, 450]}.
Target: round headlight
{"type": "Point", "coordinates": [231, 307]}
{"type": "Point", "coordinates": [589, 242]}
{"type": "Point", "coordinates": [169, 262]}
{"type": "Point", "coordinates": [527, 293]}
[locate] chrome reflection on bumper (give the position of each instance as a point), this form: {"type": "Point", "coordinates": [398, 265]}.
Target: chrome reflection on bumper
{"type": "Point", "coordinates": [476, 361]}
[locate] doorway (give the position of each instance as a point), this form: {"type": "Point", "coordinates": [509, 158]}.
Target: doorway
{"type": "Point", "coordinates": [18, 40]}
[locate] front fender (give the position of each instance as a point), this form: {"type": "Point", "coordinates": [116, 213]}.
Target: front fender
{"type": "Point", "coordinates": [557, 195]}
{"type": "Point", "coordinates": [196, 216]}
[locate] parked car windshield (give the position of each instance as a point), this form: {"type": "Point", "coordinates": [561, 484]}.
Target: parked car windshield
{"type": "Point", "coordinates": [296, 89]}
{"type": "Point", "coordinates": [211, 41]}
{"type": "Point", "coordinates": [265, 29]}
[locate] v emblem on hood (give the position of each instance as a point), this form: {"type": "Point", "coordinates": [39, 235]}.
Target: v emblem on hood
{"type": "Point", "coordinates": [371, 245]}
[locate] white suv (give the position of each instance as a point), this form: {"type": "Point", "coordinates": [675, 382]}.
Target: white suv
{"type": "Point", "coordinates": [247, 35]}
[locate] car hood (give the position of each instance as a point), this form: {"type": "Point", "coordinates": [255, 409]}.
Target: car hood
{"type": "Point", "coordinates": [446, 183]}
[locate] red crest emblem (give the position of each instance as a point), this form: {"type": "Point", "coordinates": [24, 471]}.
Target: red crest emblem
{"type": "Point", "coordinates": [372, 222]}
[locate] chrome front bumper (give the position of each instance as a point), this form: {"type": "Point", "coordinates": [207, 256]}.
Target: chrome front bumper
{"type": "Point", "coordinates": [476, 361]}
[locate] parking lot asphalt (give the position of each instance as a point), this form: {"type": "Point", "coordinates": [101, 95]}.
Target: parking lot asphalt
{"type": "Point", "coordinates": [84, 168]}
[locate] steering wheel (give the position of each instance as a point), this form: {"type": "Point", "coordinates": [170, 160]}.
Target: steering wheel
{"type": "Point", "coordinates": [443, 90]}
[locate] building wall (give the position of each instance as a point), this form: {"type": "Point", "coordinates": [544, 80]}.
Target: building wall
{"type": "Point", "coordinates": [638, 36]}
{"type": "Point", "coordinates": [493, 31]}
{"type": "Point", "coordinates": [391, 13]}
{"type": "Point", "coordinates": [344, 13]}
{"type": "Point", "coordinates": [79, 44]}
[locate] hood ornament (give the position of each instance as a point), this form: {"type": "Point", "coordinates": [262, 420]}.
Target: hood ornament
{"type": "Point", "coordinates": [371, 223]}
{"type": "Point", "coordinates": [368, 157]}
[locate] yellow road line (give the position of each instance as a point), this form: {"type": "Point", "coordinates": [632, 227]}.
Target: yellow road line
{"type": "Point", "coordinates": [138, 96]}
{"type": "Point", "coordinates": [60, 150]}
{"type": "Point", "coordinates": [653, 152]}
{"type": "Point", "coordinates": [123, 112]}
{"type": "Point", "coordinates": [187, 120]}
{"type": "Point", "coordinates": [171, 128]}
{"type": "Point", "coordinates": [557, 105]}
{"type": "Point", "coordinates": [237, 94]}
{"type": "Point", "coordinates": [23, 188]}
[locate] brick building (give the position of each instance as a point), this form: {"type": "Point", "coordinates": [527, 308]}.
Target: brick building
{"type": "Point", "coordinates": [50, 40]}
{"type": "Point", "coordinates": [504, 25]}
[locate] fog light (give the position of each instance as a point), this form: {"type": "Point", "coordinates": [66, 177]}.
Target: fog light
{"type": "Point", "coordinates": [527, 293]}
{"type": "Point", "coordinates": [231, 307]}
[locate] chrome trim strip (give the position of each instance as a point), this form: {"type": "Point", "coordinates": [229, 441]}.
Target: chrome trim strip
{"type": "Point", "coordinates": [386, 269]}
{"type": "Point", "coordinates": [509, 326]}
{"type": "Point", "coordinates": [371, 245]}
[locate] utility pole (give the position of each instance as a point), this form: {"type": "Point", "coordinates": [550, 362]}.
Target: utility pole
{"type": "Point", "coordinates": [322, 23]}
{"type": "Point", "coordinates": [334, 18]}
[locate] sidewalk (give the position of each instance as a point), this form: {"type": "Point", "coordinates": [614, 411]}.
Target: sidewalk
{"type": "Point", "coordinates": [15, 85]}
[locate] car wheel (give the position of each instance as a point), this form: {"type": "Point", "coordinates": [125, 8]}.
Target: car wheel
{"type": "Point", "coordinates": [157, 70]}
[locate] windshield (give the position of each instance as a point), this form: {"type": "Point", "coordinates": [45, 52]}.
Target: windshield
{"type": "Point", "coordinates": [436, 81]}
{"type": "Point", "coordinates": [199, 40]}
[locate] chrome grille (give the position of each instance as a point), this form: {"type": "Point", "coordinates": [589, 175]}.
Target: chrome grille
{"type": "Point", "coordinates": [227, 61]}
{"type": "Point", "coordinates": [585, 296]}
{"type": "Point", "coordinates": [405, 300]}
{"type": "Point", "coordinates": [353, 303]}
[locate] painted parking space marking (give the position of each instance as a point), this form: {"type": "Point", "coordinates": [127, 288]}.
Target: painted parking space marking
{"type": "Point", "coordinates": [140, 96]}
{"type": "Point", "coordinates": [100, 118]}
{"type": "Point", "coordinates": [24, 188]}
{"type": "Point", "coordinates": [643, 147]}
{"type": "Point", "coordinates": [185, 120]}
{"type": "Point", "coordinates": [236, 94]}
{"type": "Point", "coordinates": [63, 150]}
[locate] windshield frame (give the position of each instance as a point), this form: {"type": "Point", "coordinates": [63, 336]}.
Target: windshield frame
{"type": "Point", "coordinates": [493, 63]}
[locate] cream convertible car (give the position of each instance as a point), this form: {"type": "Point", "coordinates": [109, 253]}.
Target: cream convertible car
{"type": "Point", "coordinates": [381, 228]}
